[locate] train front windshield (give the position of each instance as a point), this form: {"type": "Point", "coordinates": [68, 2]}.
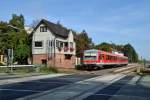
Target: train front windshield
{"type": "Point", "coordinates": [90, 57]}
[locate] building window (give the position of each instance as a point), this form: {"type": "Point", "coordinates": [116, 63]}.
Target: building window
{"type": "Point", "coordinates": [66, 44]}
{"type": "Point", "coordinates": [43, 29]}
{"type": "Point", "coordinates": [61, 44]}
{"type": "Point", "coordinates": [38, 44]}
{"type": "Point", "coordinates": [71, 44]}
{"type": "Point", "coordinates": [51, 43]}
{"type": "Point", "coordinates": [57, 43]}
{"type": "Point", "coordinates": [68, 57]}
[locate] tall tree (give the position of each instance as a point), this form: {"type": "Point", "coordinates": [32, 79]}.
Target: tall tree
{"type": "Point", "coordinates": [130, 52]}
{"type": "Point", "coordinates": [17, 21]}
{"type": "Point", "coordinates": [19, 39]}
{"type": "Point", "coordinates": [83, 42]}
{"type": "Point", "coordinates": [4, 36]}
{"type": "Point", "coordinates": [3, 27]}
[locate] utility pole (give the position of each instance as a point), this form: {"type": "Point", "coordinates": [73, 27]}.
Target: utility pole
{"type": "Point", "coordinates": [10, 58]}
{"type": "Point", "coordinates": [144, 62]}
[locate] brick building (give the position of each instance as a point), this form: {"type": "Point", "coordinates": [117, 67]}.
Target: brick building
{"type": "Point", "coordinates": [53, 44]}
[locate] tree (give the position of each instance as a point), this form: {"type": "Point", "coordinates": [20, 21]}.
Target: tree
{"type": "Point", "coordinates": [130, 52]}
{"type": "Point", "coordinates": [17, 21]}
{"type": "Point", "coordinates": [104, 47]}
{"type": "Point", "coordinates": [83, 42]}
{"type": "Point", "coordinates": [22, 53]}
{"type": "Point", "coordinates": [18, 39]}
{"type": "Point", "coordinates": [3, 27]}
{"type": "Point", "coordinates": [4, 36]}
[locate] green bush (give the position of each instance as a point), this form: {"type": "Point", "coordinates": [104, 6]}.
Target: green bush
{"type": "Point", "coordinates": [17, 70]}
{"type": "Point", "coordinates": [36, 68]}
{"type": "Point", "coordinates": [24, 70]}
{"type": "Point", "coordinates": [3, 70]}
{"type": "Point", "coordinates": [49, 69]}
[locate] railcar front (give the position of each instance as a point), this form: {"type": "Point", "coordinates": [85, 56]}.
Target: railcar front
{"type": "Point", "coordinates": [90, 59]}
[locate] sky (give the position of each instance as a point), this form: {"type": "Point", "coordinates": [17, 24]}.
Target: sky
{"type": "Point", "coordinates": [112, 21]}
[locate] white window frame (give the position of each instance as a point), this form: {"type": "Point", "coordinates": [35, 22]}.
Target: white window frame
{"type": "Point", "coordinates": [38, 47]}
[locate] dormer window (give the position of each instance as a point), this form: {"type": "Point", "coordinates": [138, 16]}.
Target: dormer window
{"type": "Point", "coordinates": [43, 29]}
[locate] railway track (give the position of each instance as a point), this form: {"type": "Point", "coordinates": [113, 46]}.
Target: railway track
{"type": "Point", "coordinates": [109, 70]}
{"type": "Point", "coordinates": [129, 68]}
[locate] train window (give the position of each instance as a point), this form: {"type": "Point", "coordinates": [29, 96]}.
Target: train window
{"type": "Point", "coordinates": [101, 57]}
{"type": "Point", "coordinates": [110, 57]}
{"type": "Point", "coordinates": [106, 57]}
{"type": "Point", "coordinates": [113, 58]}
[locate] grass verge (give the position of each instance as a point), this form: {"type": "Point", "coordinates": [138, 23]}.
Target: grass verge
{"type": "Point", "coordinates": [49, 69]}
{"type": "Point", "coordinates": [35, 69]}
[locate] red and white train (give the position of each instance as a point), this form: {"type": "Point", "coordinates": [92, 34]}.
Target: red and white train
{"type": "Point", "coordinates": [100, 58]}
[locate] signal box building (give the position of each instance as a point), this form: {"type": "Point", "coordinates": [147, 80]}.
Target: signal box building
{"type": "Point", "coordinates": [53, 45]}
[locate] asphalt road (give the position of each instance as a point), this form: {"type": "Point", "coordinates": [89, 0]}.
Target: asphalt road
{"type": "Point", "coordinates": [17, 90]}
{"type": "Point", "coordinates": [108, 92]}
{"type": "Point", "coordinates": [23, 89]}
{"type": "Point", "coordinates": [131, 87]}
